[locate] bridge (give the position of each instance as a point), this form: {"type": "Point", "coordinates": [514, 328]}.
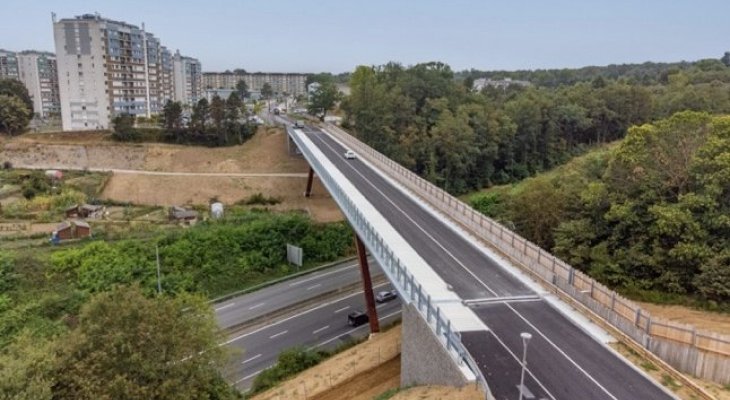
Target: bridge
{"type": "Point", "coordinates": [465, 305]}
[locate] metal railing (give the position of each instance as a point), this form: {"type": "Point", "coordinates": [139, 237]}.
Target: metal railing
{"type": "Point", "coordinates": [703, 354]}
{"type": "Point", "coordinates": [408, 287]}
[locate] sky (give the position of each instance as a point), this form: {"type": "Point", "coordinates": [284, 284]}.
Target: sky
{"type": "Point", "coordinates": [336, 36]}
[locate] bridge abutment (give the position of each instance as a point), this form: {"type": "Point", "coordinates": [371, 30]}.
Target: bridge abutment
{"type": "Point", "coordinates": [424, 360]}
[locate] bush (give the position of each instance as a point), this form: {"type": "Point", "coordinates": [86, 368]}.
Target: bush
{"type": "Point", "coordinates": [289, 363]}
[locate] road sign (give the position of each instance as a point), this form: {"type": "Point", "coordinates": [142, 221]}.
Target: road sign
{"type": "Point", "coordinates": [294, 254]}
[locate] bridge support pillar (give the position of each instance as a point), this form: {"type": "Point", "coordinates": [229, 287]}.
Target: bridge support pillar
{"type": "Point", "coordinates": [424, 358]}
{"type": "Point", "coordinates": [310, 178]}
{"type": "Point", "coordinates": [367, 285]}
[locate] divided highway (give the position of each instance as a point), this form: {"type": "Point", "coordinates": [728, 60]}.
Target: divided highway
{"type": "Point", "coordinates": [322, 324]}
{"type": "Point", "coordinates": [563, 361]}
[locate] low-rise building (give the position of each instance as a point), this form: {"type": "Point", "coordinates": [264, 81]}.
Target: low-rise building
{"type": "Point", "coordinates": [481, 83]}
{"type": "Point", "coordinates": [76, 229]}
{"type": "Point", "coordinates": [281, 82]}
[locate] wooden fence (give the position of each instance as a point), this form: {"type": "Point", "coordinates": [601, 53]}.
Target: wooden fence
{"type": "Point", "coordinates": [701, 353]}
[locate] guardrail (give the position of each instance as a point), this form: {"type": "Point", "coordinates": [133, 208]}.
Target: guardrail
{"type": "Point", "coordinates": [700, 353]}
{"type": "Point", "coordinates": [410, 290]}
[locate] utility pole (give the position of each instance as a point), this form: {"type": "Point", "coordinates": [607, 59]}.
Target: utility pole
{"type": "Point", "coordinates": [159, 283]}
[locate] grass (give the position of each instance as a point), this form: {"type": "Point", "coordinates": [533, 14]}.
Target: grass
{"type": "Point", "coordinates": [388, 394]}
{"type": "Point", "coordinates": [669, 382]}
{"type": "Point", "coordinates": [649, 366]}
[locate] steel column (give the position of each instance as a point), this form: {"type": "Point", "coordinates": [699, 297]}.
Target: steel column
{"type": "Point", "coordinates": [367, 285]}
{"type": "Point", "coordinates": [310, 178]}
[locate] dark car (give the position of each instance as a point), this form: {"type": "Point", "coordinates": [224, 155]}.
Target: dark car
{"type": "Point", "coordinates": [357, 318]}
{"type": "Point", "coordinates": [384, 296]}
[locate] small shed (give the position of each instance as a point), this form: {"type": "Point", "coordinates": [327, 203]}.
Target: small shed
{"type": "Point", "coordinates": [72, 211]}
{"type": "Point", "coordinates": [91, 211]}
{"type": "Point", "coordinates": [75, 229]}
{"type": "Point", "coordinates": [184, 215]}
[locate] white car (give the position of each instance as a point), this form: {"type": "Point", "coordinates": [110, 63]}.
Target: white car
{"type": "Point", "coordinates": [350, 155]}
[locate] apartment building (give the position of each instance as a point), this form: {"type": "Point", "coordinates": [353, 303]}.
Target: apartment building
{"type": "Point", "coordinates": [38, 72]}
{"type": "Point", "coordinates": [107, 68]}
{"type": "Point", "coordinates": [187, 76]}
{"type": "Point", "coordinates": [8, 65]}
{"type": "Point", "coordinates": [289, 83]}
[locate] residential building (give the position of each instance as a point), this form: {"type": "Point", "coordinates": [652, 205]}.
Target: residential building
{"type": "Point", "coordinates": [8, 65]}
{"type": "Point", "coordinates": [281, 83]}
{"type": "Point", "coordinates": [482, 83]}
{"type": "Point", "coordinates": [107, 68]}
{"type": "Point", "coordinates": [187, 75]}
{"type": "Point", "coordinates": [222, 93]}
{"type": "Point", "coordinates": [37, 70]}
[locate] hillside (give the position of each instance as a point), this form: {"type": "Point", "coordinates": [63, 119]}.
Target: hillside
{"type": "Point", "coordinates": [647, 215]}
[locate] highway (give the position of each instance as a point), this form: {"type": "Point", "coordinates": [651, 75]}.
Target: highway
{"type": "Point", "coordinates": [563, 361]}
{"type": "Point", "coordinates": [263, 302]}
{"type": "Point", "coordinates": [322, 324]}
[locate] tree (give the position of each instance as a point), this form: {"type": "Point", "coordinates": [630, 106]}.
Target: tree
{"type": "Point", "coordinates": [323, 99]}
{"type": "Point", "coordinates": [201, 114]}
{"type": "Point", "coordinates": [129, 346]}
{"type": "Point", "coordinates": [242, 89]}
{"type": "Point", "coordinates": [12, 87]}
{"type": "Point", "coordinates": [217, 111]}
{"type": "Point", "coordinates": [172, 115]}
{"type": "Point", "coordinates": [124, 127]}
{"type": "Point", "coordinates": [267, 91]}
{"type": "Point", "coordinates": [726, 59]}
{"type": "Point", "coordinates": [14, 115]}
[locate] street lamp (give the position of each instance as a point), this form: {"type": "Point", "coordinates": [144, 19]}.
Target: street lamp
{"type": "Point", "coordinates": [525, 340]}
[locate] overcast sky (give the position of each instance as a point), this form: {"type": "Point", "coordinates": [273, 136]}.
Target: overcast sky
{"type": "Point", "coordinates": [336, 36]}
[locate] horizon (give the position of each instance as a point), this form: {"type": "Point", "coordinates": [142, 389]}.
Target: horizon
{"type": "Point", "coordinates": [287, 36]}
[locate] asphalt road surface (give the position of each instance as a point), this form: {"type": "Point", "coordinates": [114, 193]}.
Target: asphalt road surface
{"type": "Point", "coordinates": [239, 310]}
{"type": "Point", "coordinates": [569, 364]}
{"type": "Point", "coordinates": [323, 324]}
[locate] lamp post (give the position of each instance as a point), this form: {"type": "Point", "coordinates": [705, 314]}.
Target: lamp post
{"type": "Point", "coordinates": [525, 340]}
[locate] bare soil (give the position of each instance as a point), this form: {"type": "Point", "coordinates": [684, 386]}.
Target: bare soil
{"type": "Point", "coordinates": [440, 393]}
{"type": "Point", "coordinates": [366, 385]}
{"type": "Point", "coordinates": [265, 153]}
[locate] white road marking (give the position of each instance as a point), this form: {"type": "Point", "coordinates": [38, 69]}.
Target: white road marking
{"type": "Point", "coordinates": [278, 334]}
{"type": "Point", "coordinates": [239, 337]}
{"type": "Point", "coordinates": [226, 306]}
{"type": "Point", "coordinates": [249, 376]}
{"type": "Point", "coordinates": [342, 309]}
{"type": "Point", "coordinates": [314, 286]}
{"type": "Point", "coordinates": [256, 306]}
{"type": "Point", "coordinates": [317, 276]}
{"type": "Point", "coordinates": [251, 359]}
{"type": "Point", "coordinates": [591, 378]}
{"type": "Point", "coordinates": [320, 330]}
{"type": "Point", "coordinates": [353, 330]}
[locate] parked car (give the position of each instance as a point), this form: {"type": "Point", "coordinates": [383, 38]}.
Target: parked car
{"type": "Point", "coordinates": [350, 155]}
{"type": "Point", "coordinates": [386, 296]}
{"type": "Point", "coordinates": [357, 318]}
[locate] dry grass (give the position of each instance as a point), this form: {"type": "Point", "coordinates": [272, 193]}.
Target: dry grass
{"type": "Point", "coordinates": [344, 371]}
{"type": "Point", "coordinates": [707, 320]}
{"type": "Point", "coordinates": [470, 392]}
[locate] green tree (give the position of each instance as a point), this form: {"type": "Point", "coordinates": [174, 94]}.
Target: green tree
{"type": "Point", "coordinates": [267, 91]}
{"type": "Point", "coordinates": [124, 127]}
{"type": "Point", "coordinates": [323, 99]}
{"type": "Point", "coordinates": [217, 112]}
{"type": "Point", "coordinates": [726, 59]}
{"type": "Point", "coordinates": [12, 87]}
{"type": "Point", "coordinates": [201, 114]}
{"type": "Point", "coordinates": [129, 346]}
{"type": "Point", "coordinates": [172, 115]}
{"type": "Point", "coordinates": [14, 115]}
{"type": "Point", "coordinates": [27, 368]}
{"type": "Point", "coordinates": [242, 89]}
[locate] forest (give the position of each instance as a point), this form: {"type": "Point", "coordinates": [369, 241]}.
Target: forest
{"type": "Point", "coordinates": [649, 215]}
{"type": "Point", "coordinates": [461, 140]}
{"type": "Point", "coordinates": [643, 206]}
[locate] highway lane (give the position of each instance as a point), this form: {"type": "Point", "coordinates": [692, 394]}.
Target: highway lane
{"type": "Point", "coordinates": [283, 295]}
{"type": "Point", "coordinates": [473, 274]}
{"type": "Point", "coordinates": [320, 326]}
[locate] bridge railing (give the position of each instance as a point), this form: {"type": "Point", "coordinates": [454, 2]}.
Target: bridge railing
{"type": "Point", "coordinates": [408, 287]}
{"type": "Point", "coordinates": [701, 353]}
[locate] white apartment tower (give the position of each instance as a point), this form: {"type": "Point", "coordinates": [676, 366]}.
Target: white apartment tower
{"type": "Point", "coordinates": [37, 71]}
{"type": "Point", "coordinates": [107, 68]}
{"type": "Point", "coordinates": [188, 79]}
